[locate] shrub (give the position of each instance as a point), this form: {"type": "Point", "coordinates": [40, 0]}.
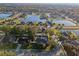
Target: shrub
{"type": "Point", "coordinates": [7, 53]}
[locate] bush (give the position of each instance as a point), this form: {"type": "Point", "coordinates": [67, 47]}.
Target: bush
{"type": "Point", "coordinates": [7, 53]}
{"type": "Point", "coordinates": [8, 46]}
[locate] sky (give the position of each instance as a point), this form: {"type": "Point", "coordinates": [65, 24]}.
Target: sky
{"type": "Point", "coordinates": [39, 1]}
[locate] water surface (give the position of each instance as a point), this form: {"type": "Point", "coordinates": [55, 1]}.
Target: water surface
{"type": "Point", "coordinates": [4, 15]}
{"type": "Point", "coordinates": [65, 22]}
{"type": "Point", "coordinates": [75, 31]}
{"type": "Point", "coordinates": [33, 18]}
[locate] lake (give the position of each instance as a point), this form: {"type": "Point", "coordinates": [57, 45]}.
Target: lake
{"type": "Point", "coordinates": [33, 18]}
{"type": "Point", "coordinates": [75, 31]}
{"type": "Point", "coordinates": [4, 15]}
{"type": "Point", "coordinates": [65, 22]}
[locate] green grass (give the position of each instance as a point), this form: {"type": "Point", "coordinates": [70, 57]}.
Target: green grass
{"type": "Point", "coordinates": [55, 18]}
{"type": "Point", "coordinates": [8, 46]}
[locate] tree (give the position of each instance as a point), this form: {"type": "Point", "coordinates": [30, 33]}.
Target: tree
{"type": "Point", "coordinates": [72, 36]}
{"type": "Point", "coordinates": [5, 29]}
{"type": "Point", "coordinates": [31, 33]}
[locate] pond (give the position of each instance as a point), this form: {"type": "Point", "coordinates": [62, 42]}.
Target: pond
{"type": "Point", "coordinates": [33, 18]}
{"type": "Point", "coordinates": [65, 22]}
{"type": "Point", "coordinates": [75, 31]}
{"type": "Point", "coordinates": [4, 15]}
